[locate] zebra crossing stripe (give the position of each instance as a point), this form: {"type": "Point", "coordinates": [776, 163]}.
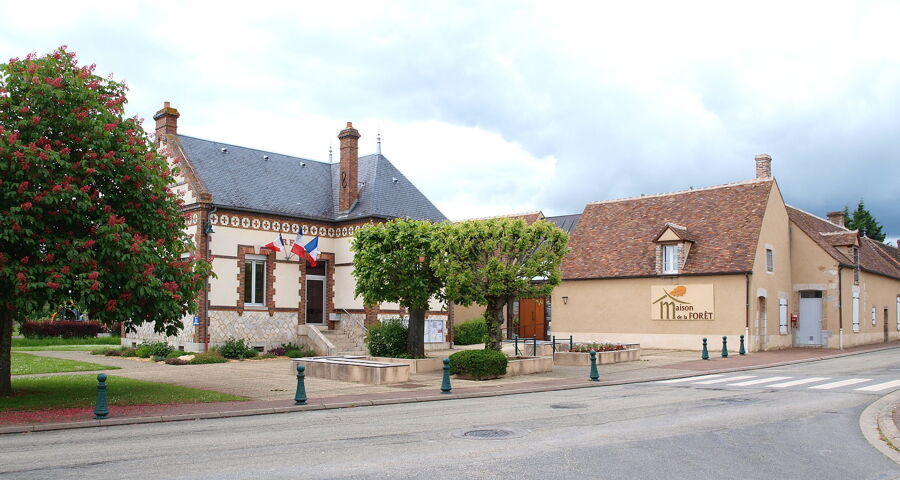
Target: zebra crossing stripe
{"type": "Point", "coordinates": [757, 382]}
{"type": "Point", "coordinates": [802, 381]}
{"type": "Point", "coordinates": [688, 379]}
{"type": "Point", "coordinates": [842, 383]}
{"type": "Point", "coordinates": [880, 386]}
{"type": "Point", "coordinates": [722, 380]}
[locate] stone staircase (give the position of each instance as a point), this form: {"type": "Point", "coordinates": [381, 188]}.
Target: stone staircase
{"type": "Point", "coordinates": [343, 343]}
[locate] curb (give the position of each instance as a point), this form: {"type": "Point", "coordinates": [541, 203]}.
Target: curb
{"type": "Point", "coordinates": [877, 425]}
{"type": "Point", "coordinates": [513, 390]}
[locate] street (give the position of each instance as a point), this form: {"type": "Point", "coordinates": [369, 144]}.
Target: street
{"type": "Point", "coordinates": [793, 422]}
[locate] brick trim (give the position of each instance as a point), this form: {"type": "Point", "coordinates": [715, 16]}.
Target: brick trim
{"type": "Point", "coordinates": [242, 252]}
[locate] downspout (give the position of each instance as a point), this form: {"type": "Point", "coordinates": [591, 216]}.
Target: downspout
{"type": "Point", "coordinates": [840, 307]}
{"type": "Point", "coordinates": [747, 312]}
{"type": "Point", "coordinates": [207, 230]}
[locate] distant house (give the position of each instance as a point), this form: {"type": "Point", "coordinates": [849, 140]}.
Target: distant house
{"type": "Point", "coordinates": [238, 199]}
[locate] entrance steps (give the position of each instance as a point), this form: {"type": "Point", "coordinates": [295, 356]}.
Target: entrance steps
{"type": "Point", "coordinates": [343, 343]}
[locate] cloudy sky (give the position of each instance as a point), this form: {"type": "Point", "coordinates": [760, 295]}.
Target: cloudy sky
{"type": "Point", "coordinates": [494, 107]}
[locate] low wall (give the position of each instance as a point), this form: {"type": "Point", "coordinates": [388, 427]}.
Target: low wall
{"type": "Point", "coordinates": [355, 369]}
{"type": "Point", "coordinates": [580, 359]}
{"type": "Point", "coordinates": [528, 365]}
{"type": "Point", "coordinates": [416, 365]}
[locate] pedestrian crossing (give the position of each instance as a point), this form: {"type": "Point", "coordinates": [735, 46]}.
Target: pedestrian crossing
{"type": "Point", "coordinates": [868, 385]}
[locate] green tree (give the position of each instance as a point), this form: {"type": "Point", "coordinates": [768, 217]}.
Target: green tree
{"type": "Point", "coordinates": [861, 219]}
{"type": "Point", "coordinates": [393, 263]}
{"type": "Point", "coordinates": [489, 262]}
{"type": "Point", "coordinates": [87, 213]}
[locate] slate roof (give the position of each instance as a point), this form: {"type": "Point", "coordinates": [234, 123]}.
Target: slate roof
{"type": "Point", "coordinates": [615, 239]}
{"type": "Point", "coordinates": [565, 222]}
{"type": "Point", "coordinates": [242, 178]}
{"type": "Point", "coordinates": [874, 256]}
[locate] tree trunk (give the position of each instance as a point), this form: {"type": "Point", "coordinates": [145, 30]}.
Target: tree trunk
{"type": "Point", "coordinates": [495, 321]}
{"type": "Point", "coordinates": [415, 340]}
{"type": "Point", "coordinates": [6, 324]}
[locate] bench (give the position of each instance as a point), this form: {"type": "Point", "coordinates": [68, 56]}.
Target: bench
{"type": "Point", "coordinates": [353, 369]}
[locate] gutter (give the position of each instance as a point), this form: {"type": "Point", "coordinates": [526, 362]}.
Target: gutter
{"type": "Point", "coordinates": [840, 307]}
{"type": "Point", "coordinates": [703, 274]}
{"type": "Point", "coordinates": [747, 309]}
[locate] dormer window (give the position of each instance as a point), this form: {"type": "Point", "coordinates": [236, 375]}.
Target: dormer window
{"type": "Point", "coordinates": [670, 259]}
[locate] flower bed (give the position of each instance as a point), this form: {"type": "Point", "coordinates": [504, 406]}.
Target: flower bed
{"type": "Point", "coordinates": [628, 353]}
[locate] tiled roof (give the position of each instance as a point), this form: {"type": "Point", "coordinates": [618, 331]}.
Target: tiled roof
{"type": "Point", "coordinates": [815, 227]}
{"type": "Point", "coordinates": [244, 178]}
{"type": "Point", "coordinates": [616, 238]}
{"type": "Point", "coordinates": [565, 222]}
{"type": "Point", "coordinates": [529, 217]}
{"type": "Point", "coordinates": [877, 257]}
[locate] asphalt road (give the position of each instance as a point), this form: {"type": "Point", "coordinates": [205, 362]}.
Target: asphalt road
{"type": "Point", "coordinates": [684, 430]}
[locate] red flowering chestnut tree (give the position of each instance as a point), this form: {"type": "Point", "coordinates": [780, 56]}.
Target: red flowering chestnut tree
{"type": "Point", "coordinates": [87, 213]}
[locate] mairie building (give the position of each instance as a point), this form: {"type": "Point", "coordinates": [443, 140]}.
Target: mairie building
{"type": "Point", "coordinates": [237, 200]}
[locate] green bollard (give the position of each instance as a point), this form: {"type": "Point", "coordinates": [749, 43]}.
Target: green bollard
{"type": "Point", "coordinates": [101, 411]}
{"type": "Point", "coordinates": [300, 396]}
{"type": "Point", "coordinates": [705, 355]}
{"type": "Point", "coordinates": [595, 375]}
{"type": "Point", "coordinates": [741, 351]}
{"type": "Point", "coordinates": [724, 347]}
{"type": "Point", "coordinates": [445, 383]}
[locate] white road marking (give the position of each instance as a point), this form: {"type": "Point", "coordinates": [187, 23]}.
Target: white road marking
{"type": "Point", "coordinates": [880, 386]}
{"type": "Point", "coordinates": [757, 382]}
{"type": "Point", "coordinates": [723, 380]}
{"type": "Point", "coordinates": [802, 381]}
{"type": "Point", "coordinates": [842, 383]}
{"type": "Point", "coordinates": [688, 379]}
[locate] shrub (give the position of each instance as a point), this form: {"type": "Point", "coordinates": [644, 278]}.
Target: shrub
{"type": "Point", "coordinates": [129, 352]}
{"type": "Point", "coordinates": [158, 358]}
{"type": "Point", "coordinates": [153, 349]}
{"type": "Point", "coordinates": [470, 332]}
{"type": "Point", "coordinates": [300, 352]}
{"type": "Point", "coordinates": [387, 339]}
{"type": "Point", "coordinates": [64, 329]}
{"type": "Point", "coordinates": [478, 364]}
{"type": "Point", "coordinates": [277, 351]}
{"type": "Point", "coordinates": [104, 351]}
{"type": "Point", "coordinates": [209, 357]}
{"type": "Point", "coordinates": [237, 348]}
{"type": "Point", "coordinates": [176, 361]}
{"type": "Point", "coordinates": [176, 354]}
{"type": "Point", "coordinates": [597, 347]}
{"type": "Point", "coordinates": [263, 356]}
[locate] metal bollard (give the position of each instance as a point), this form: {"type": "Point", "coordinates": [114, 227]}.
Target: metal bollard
{"type": "Point", "coordinates": [724, 347]}
{"type": "Point", "coordinates": [741, 351]}
{"type": "Point", "coordinates": [101, 411]}
{"type": "Point", "coordinates": [300, 396]}
{"type": "Point", "coordinates": [595, 375]}
{"type": "Point", "coordinates": [571, 343]}
{"type": "Point", "coordinates": [553, 342]}
{"type": "Point", "coordinates": [517, 344]}
{"type": "Point", "coordinates": [705, 355]}
{"type": "Point", "coordinates": [534, 346]}
{"type": "Point", "coordinates": [445, 383]}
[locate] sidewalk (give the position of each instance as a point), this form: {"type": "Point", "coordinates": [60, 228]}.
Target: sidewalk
{"type": "Point", "coordinates": [271, 385]}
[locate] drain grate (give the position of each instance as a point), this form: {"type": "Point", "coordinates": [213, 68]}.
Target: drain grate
{"type": "Point", "coordinates": [566, 406]}
{"type": "Point", "coordinates": [485, 433]}
{"type": "Point", "coordinates": [489, 433]}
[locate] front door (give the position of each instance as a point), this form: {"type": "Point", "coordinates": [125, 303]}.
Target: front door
{"type": "Point", "coordinates": [810, 318]}
{"type": "Point", "coordinates": [531, 318]}
{"type": "Point", "coordinates": [315, 299]}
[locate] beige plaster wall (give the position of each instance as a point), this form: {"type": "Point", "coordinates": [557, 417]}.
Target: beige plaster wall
{"type": "Point", "coordinates": [223, 290]}
{"type": "Point", "coordinates": [875, 290]}
{"type": "Point", "coordinates": [814, 269]}
{"type": "Point", "coordinates": [344, 284]}
{"type": "Point", "coordinates": [462, 313]}
{"type": "Point", "coordinates": [287, 284]}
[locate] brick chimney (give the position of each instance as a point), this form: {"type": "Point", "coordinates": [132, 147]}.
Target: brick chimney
{"type": "Point", "coordinates": [349, 138]}
{"type": "Point", "coordinates": [166, 121]}
{"type": "Point", "coordinates": [836, 218]}
{"type": "Point", "coordinates": [763, 166]}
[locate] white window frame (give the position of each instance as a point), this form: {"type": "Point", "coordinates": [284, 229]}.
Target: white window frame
{"type": "Point", "coordinates": [782, 316]}
{"type": "Point", "coordinates": [673, 264]}
{"type": "Point", "coordinates": [255, 260]}
{"type": "Point", "coordinates": [770, 260]}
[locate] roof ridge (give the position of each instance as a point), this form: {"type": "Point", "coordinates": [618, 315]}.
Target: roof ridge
{"type": "Point", "coordinates": [881, 251]}
{"type": "Point", "coordinates": [508, 215]}
{"type": "Point", "coordinates": [820, 218]}
{"type": "Point", "coordinates": [255, 149]}
{"type": "Point", "coordinates": [839, 232]}
{"type": "Point", "coordinates": [682, 192]}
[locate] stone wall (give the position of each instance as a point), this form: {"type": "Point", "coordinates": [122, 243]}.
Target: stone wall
{"type": "Point", "coordinates": [257, 327]}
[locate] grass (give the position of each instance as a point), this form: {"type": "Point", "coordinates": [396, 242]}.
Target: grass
{"type": "Point", "coordinates": [67, 391]}
{"type": "Point", "coordinates": [43, 342]}
{"type": "Point", "coordinates": [24, 364]}
{"type": "Point", "coordinates": [59, 348]}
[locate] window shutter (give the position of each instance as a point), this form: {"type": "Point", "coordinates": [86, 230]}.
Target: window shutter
{"type": "Point", "coordinates": [782, 316]}
{"type": "Point", "coordinates": [856, 311]}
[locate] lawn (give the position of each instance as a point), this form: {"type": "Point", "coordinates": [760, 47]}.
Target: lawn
{"type": "Point", "coordinates": [23, 364]}
{"type": "Point", "coordinates": [60, 348]}
{"type": "Point", "coordinates": [66, 391]}
{"type": "Point", "coordinates": [43, 342]}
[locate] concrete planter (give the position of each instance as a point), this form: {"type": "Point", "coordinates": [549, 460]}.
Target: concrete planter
{"type": "Point", "coordinates": [528, 365]}
{"type": "Point", "coordinates": [416, 365]}
{"type": "Point", "coordinates": [353, 369]}
{"type": "Point", "coordinates": [631, 353]}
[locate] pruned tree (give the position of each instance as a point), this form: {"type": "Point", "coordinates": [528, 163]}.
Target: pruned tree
{"type": "Point", "coordinates": [87, 215]}
{"type": "Point", "coordinates": [490, 262]}
{"type": "Point", "coordinates": [392, 262]}
{"type": "Point", "coordinates": [861, 219]}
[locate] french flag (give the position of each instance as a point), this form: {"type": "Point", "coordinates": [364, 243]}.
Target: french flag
{"type": "Point", "coordinates": [276, 245]}
{"type": "Point", "coordinates": [297, 247]}
{"type": "Point", "coordinates": [312, 251]}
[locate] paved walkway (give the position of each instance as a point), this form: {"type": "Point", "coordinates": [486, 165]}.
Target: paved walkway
{"type": "Point", "coordinates": [270, 384]}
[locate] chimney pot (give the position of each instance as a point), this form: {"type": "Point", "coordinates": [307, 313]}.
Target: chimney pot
{"type": "Point", "coordinates": [836, 218]}
{"type": "Point", "coordinates": [166, 121]}
{"type": "Point", "coordinates": [763, 166]}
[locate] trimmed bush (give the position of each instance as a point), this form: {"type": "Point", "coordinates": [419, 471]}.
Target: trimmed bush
{"type": "Point", "coordinates": [470, 332]}
{"type": "Point", "coordinates": [153, 349]}
{"type": "Point", "coordinates": [478, 364]}
{"type": "Point", "coordinates": [64, 329]}
{"type": "Point", "coordinates": [387, 339]}
{"type": "Point", "coordinates": [209, 357]}
{"type": "Point", "coordinates": [237, 349]}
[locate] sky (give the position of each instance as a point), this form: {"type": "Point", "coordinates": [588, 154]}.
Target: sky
{"type": "Point", "coordinates": [505, 107]}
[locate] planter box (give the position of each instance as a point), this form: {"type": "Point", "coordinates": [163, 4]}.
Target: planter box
{"type": "Point", "coordinates": [353, 369]}
{"type": "Point", "coordinates": [416, 365]}
{"type": "Point", "coordinates": [528, 365]}
{"type": "Point", "coordinates": [631, 353]}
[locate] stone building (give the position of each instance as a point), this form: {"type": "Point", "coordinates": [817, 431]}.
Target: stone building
{"type": "Point", "coordinates": [237, 199]}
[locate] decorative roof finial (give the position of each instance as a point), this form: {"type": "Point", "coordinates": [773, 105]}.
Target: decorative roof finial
{"type": "Point", "coordinates": [378, 151]}
{"type": "Point", "coordinates": [329, 155]}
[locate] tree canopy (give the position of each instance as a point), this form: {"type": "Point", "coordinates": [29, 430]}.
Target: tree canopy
{"type": "Point", "coordinates": [87, 213]}
{"type": "Point", "coordinates": [861, 219]}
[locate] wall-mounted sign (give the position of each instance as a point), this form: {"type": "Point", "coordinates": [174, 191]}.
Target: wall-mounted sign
{"type": "Point", "coordinates": [682, 302]}
{"type": "Point", "coordinates": [196, 320]}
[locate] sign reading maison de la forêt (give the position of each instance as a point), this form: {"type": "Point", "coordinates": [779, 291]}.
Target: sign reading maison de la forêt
{"type": "Point", "coordinates": [682, 302]}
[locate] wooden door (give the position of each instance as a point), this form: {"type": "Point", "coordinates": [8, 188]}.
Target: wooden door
{"type": "Point", "coordinates": [531, 318]}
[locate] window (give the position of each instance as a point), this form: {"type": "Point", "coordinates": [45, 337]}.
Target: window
{"type": "Point", "coordinates": [670, 259]}
{"type": "Point", "coordinates": [770, 261]}
{"type": "Point", "coordinates": [254, 280]}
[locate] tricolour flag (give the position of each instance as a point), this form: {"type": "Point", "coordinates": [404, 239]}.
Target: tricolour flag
{"type": "Point", "coordinates": [277, 244]}
{"type": "Point", "coordinates": [312, 251]}
{"type": "Point", "coordinates": [298, 248]}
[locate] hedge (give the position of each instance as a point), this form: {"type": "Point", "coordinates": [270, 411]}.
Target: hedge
{"type": "Point", "coordinates": [470, 332]}
{"type": "Point", "coordinates": [387, 339]}
{"type": "Point", "coordinates": [64, 329]}
{"type": "Point", "coordinates": [478, 364]}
